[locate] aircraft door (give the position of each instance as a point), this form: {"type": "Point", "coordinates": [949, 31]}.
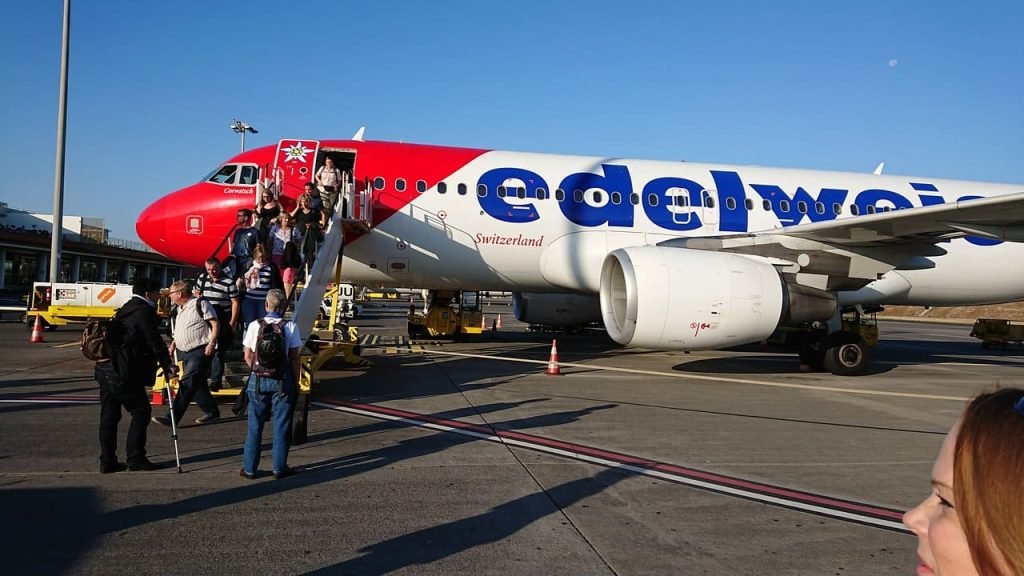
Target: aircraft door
{"type": "Point", "coordinates": [709, 208]}
{"type": "Point", "coordinates": [680, 205]}
{"type": "Point", "coordinates": [293, 167]}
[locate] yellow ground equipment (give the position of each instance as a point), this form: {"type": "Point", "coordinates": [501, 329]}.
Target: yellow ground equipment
{"type": "Point", "coordinates": [74, 302]}
{"type": "Point", "coordinates": [449, 315]}
{"type": "Point", "coordinates": [863, 323]}
{"type": "Point", "coordinates": [998, 333]}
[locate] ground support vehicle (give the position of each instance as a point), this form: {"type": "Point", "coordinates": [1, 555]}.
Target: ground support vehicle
{"type": "Point", "coordinates": [449, 315]}
{"type": "Point", "coordinates": [74, 302]}
{"type": "Point", "coordinates": [998, 333]}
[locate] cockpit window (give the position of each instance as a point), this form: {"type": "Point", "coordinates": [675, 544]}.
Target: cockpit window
{"type": "Point", "coordinates": [226, 174]}
{"type": "Point", "coordinates": [249, 175]}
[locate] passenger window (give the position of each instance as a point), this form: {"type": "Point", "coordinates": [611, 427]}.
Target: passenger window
{"type": "Point", "coordinates": [521, 192]}
{"type": "Point", "coordinates": [559, 194]}
{"type": "Point", "coordinates": [730, 203]}
{"type": "Point", "coordinates": [400, 184]}
{"type": "Point", "coordinates": [837, 208]}
{"type": "Point", "coordinates": [766, 204]}
{"type": "Point", "coordinates": [378, 183]}
{"type": "Point", "coordinates": [462, 189]}
{"type": "Point", "coordinates": [634, 199]}
{"type": "Point", "coordinates": [441, 187]}
{"type": "Point", "coordinates": [784, 205]}
{"type": "Point", "coordinates": [421, 186]}
{"type": "Point", "coordinates": [577, 196]}
{"type": "Point", "coordinates": [249, 176]}
{"type": "Point", "coordinates": [481, 190]}
{"type": "Point", "coordinates": [854, 210]}
{"type": "Point", "coordinates": [870, 209]}
{"type": "Point", "coordinates": [598, 197]}
{"type": "Point", "coordinates": [501, 192]}
{"type": "Point", "coordinates": [749, 204]}
{"type": "Point", "coordinates": [682, 201]}
{"type": "Point", "coordinates": [616, 198]}
{"type": "Point", "coordinates": [819, 207]}
{"type": "Point", "coordinates": [652, 199]}
{"type": "Point", "coordinates": [226, 175]}
{"type": "Point", "coordinates": [801, 207]}
{"type": "Point", "coordinates": [541, 193]}
{"type": "Point", "coordinates": [709, 201]}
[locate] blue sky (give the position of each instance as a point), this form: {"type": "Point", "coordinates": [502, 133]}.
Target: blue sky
{"type": "Point", "coordinates": [931, 87]}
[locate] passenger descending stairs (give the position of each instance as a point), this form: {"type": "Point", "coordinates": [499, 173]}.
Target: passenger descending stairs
{"type": "Point", "coordinates": [327, 266]}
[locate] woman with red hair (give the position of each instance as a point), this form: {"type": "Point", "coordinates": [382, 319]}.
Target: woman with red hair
{"type": "Point", "coordinates": [973, 521]}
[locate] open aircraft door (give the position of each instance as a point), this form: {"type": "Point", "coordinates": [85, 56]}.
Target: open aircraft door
{"type": "Point", "coordinates": [364, 202]}
{"type": "Point", "coordinates": [294, 166]}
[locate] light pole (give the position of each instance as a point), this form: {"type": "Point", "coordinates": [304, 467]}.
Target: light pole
{"type": "Point", "coordinates": [58, 171]}
{"type": "Point", "coordinates": [243, 128]}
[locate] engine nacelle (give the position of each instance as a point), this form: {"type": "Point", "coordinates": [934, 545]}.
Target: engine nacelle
{"type": "Point", "coordinates": [556, 309]}
{"type": "Point", "coordinates": [683, 299]}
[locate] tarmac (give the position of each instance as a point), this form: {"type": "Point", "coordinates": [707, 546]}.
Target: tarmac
{"type": "Point", "coordinates": [452, 458]}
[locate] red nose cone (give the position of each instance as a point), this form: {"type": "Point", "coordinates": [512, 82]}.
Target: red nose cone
{"type": "Point", "coordinates": [152, 226]}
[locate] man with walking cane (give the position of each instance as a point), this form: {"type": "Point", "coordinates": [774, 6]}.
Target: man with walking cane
{"type": "Point", "coordinates": [136, 349]}
{"type": "Point", "coordinates": [195, 341]}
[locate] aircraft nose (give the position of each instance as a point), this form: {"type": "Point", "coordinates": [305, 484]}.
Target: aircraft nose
{"type": "Point", "coordinates": [151, 226]}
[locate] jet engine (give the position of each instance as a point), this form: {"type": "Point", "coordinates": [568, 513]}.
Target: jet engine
{"type": "Point", "coordinates": [683, 299]}
{"type": "Point", "coordinates": [556, 309]}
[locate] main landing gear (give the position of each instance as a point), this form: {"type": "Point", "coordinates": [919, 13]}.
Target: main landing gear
{"type": "Point", "coordinates": [843, 352]}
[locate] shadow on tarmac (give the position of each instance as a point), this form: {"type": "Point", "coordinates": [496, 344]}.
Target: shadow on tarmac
{"type": "Point", "coordinates": [28, 544]}
{"type": "Point", "coordinates": [431, 544]}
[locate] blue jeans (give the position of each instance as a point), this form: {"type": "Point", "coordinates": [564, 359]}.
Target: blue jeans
{"type": "Point", "coordinates": [192, 384]}
{"type": "Point", "coordinates": [280, 405]}
{"type": "Point", "coordinates": [252, 309]}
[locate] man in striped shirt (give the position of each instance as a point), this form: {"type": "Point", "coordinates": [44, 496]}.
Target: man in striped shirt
{"type": "Point", "coordinates": [218, 289]}
{"type": "Point", "coordinates": [195, 341]}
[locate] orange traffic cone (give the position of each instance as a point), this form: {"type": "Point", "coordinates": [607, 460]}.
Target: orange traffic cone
{"type": "Point", "coordinates": [553, 369]}
{"type": "Point", "coordinates": [498, 326]}
{"type": "Point", "coordinates": [37, 331]}
{"type": "Point", "coordinates": [483, 322]}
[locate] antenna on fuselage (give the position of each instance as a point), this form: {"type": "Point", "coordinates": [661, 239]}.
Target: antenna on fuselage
{"type": "Point", "coordinates": [878, 171]}
{"type": "Point", "coordinates": [359, 134]}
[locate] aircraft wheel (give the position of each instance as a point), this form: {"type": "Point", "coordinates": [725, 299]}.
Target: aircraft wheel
{"type": "Point", "coordinates": [300, 420]}
{"type": "Point", "coordinates": [846, 354]}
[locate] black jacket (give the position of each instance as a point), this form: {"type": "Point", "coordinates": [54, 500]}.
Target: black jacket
{"type": "Point", "coordinates": [140, 348]}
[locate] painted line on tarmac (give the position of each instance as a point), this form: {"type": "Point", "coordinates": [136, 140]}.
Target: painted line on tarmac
{"type": "Point", "coordinates": [726, 379]}
{"type": "Point", "coordinates": [66, 345]}
{"type": "Point", "coordinates": [817, 504]}
{"type": "Point", "coordinates": [35, 399]}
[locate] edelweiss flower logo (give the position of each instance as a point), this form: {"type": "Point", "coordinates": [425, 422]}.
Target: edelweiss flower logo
{"type": "Point", "coordinates": [296, 153]}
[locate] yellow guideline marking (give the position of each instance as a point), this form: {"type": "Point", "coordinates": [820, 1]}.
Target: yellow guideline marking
{"type": "Point", "coordinates": [715, 378]}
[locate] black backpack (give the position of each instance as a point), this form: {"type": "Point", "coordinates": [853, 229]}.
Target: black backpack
{"type": "Point", "coordinates": [271, 354]}
{"type": "Point", "coordinates": [100, 339]}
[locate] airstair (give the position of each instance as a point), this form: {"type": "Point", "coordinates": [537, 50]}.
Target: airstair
{"type": "Point", "coordinates": [324, 342]}
{"type": "Point", "coordinates": [325, 339]}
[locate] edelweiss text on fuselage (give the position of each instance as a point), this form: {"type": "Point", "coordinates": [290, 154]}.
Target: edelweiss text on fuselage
{"type": "Point", "coordinates": [656, 198]}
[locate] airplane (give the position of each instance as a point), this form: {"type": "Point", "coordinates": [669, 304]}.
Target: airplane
{"type": "Point", "coordinates": [667, 255]}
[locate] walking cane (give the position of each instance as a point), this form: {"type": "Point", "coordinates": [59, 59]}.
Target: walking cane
{"type": "Point", "coordinates": [174, 427]}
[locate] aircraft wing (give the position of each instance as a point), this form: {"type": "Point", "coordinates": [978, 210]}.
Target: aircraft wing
{"type": "Point", "coordinates": [998, 218]}
{"type": "Point", "coordinates": [849, 253]}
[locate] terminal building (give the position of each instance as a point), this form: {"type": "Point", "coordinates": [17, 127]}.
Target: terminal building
{"type": "Point", "coordinates": [88, 253]}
